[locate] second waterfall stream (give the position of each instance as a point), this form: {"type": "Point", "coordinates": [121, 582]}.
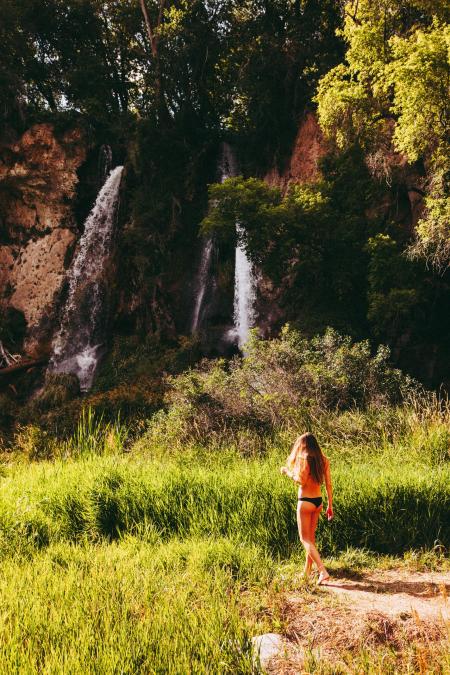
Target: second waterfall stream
{"type": "Point", "coordinates": [244, 274]}
{"type": "Point", "coordinates": [78, 343]}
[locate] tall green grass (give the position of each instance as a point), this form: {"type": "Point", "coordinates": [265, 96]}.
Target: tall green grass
{"type": "Point", "coordinates": [92, 435]}
{"type": "Point", "coordinates": [386, 505]}
{"type": "Point", "coordinates": [134, 607]}
{"type": "Point", "coordinates": [156, 561]}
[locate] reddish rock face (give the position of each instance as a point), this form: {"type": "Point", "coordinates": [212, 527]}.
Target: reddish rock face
{"type": "Point", "coordinates": [38, 179]}
{"type": "Point", "coordinates": [303, 166]}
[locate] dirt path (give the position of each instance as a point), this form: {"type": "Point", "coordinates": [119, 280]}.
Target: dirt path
{"type": "Point", "coordinates": [396, 593]}
{"type": "Point", "coordinates": [397, 610]}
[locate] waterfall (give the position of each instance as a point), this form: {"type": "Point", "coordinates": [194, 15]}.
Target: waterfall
{"type": "Point", "coordinates": [226, 168]}
{"type": "Point", "coordinates": [244, 275]}
{"type": "Point", "coordinates": [244, 294]}
{"type": "Point", "coordinates": [78, 343]}
{"type": "Point", "coordinates": [202, 281]}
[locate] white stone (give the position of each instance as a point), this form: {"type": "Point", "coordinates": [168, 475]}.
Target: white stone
{"type": "Point", "coordinates": [266, 647]}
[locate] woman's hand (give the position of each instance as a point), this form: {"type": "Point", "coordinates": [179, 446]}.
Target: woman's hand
{"type": "Point", "coordinates": [284, 471]}
{"type": "Point", "coordinates": [330, 513]}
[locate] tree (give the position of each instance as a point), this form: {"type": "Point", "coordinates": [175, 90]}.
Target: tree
{"type": "Point", "coordinates": [394, 88]}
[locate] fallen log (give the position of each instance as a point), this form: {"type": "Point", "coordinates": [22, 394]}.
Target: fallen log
{"type": "Point", "coordinates": [23, 365]}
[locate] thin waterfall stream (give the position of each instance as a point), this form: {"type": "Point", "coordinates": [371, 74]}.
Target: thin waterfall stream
{"type": "Point", "coordinates": [244, 277]}
{"type": "Point", "coordinates": [226, 169]}
{"type": "Point", "coordinates": [244, 294]}
{"type": "Point", "coordinates": [244, 274]}
{"type": "Point", "coordinates": [78, 344]}
{"type": "Point", "coordinates": [202, 281]}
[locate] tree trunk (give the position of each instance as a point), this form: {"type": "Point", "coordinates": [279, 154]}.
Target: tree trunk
{"type": "Point", "coordinates": [155, 53]}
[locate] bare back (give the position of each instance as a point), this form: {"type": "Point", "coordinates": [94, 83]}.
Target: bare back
{"type": "Point", "coordinates": [308, 486]}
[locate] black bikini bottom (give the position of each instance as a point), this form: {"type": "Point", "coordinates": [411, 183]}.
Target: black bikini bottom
{"type": "Point", "coordinates": [317, 501]}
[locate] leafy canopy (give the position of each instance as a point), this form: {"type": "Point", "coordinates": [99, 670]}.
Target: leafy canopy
{"type": "Point", "coordinates": [394, 85]}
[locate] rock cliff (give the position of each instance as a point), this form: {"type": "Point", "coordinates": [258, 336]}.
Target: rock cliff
{"type": "Point", "coordinates": [38, 181]}
{"type": "Point", "coordinates": [303, 166]}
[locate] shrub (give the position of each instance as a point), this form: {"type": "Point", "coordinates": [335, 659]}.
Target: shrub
{"type": "Point", "coordinates": [34, 443]}
{"type": "Point", "coordinates": [281, 383]}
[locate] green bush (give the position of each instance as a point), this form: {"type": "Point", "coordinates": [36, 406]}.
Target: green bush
{"type": "Point", "coordinates": [33, 443]}
{"type": "Point", "coordinates": [282, 383]}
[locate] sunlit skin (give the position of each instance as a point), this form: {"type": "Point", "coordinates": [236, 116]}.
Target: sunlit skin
{"type": "Point", "coordinates": [298, 468]}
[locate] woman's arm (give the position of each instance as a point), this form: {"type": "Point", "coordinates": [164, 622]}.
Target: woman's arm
{"type": "Point", "coordinates": [329, 490]}
{"type": "Point", "coordinates": [285, 472]}
{"type": "Point", "coordinates": [300, 475]}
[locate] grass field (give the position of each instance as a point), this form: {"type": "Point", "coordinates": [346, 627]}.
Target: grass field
{"type": "Point", "coordinates": [151, 561]}
{"type": "Point", "coordinates": [382, 503]}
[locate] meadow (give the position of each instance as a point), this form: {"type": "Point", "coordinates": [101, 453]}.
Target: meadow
{"type": "Point", "coordinates": [154, 561]}
{"type": "Point", "coordinates": [166, 550]}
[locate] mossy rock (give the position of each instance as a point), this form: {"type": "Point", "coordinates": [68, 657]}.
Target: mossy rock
{"type": "Point", "coordinates": [59, 389]}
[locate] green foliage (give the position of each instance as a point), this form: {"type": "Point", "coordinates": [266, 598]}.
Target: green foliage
{"type": "Point", "coordinates": [393, 86]}
{"type": "Point", "coordinates": [390, 307]}
{"type": "Point", "coordinates": [310, 243]}
{"type": "Point", "coordinates": [277, 51]}
{"type": "Point", "coordinates": [206, 66]}
{"type": "Point", "coordinates": [33, 443]}
{"type": "Point", "coordinates": [433, 240]}
{"type": "Point", "coordinates": [404, 303]}
{"type": "Point", "coordinates": [281, 383]}
{"type": "Point", "coordinates": [419, 74]}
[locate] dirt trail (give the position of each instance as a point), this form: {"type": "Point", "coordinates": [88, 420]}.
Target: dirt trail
{"type": "Point", "coordinates": [377, 609]}
{"type": "Point", "coordinates": [396, 593]}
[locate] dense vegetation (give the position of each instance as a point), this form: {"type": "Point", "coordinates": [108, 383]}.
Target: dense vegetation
{"type": "Point", "coordinates": [164, 81]}
{"type": "Point", "coordinates": [170, 556]}
{"type": "Point", "coordinates": [146, 527]}
{"type": "Point", "coordinates": [391, 94]}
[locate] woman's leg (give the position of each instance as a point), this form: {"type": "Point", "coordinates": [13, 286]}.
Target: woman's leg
{"type": "Point", "coordinates": [314, 520]}
{"type": "Point", "coordinates": [304, 532]}
{"type": "Point", "coordinates": [305, 510]}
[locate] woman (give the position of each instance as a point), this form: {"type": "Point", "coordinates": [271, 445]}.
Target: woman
{"type": "Point", "coordinates": [307, 466]}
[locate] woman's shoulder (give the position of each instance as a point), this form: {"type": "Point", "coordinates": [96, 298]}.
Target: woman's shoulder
{"type": "Point", "coordinates": [326, 460]}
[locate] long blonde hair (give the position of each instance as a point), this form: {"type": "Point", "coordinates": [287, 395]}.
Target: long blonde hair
{"type": "Point", "coordinates": [314, 457]}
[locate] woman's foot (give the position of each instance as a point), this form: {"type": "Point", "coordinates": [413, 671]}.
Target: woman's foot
{"type": "Point", "coordinates": [323, 577]}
